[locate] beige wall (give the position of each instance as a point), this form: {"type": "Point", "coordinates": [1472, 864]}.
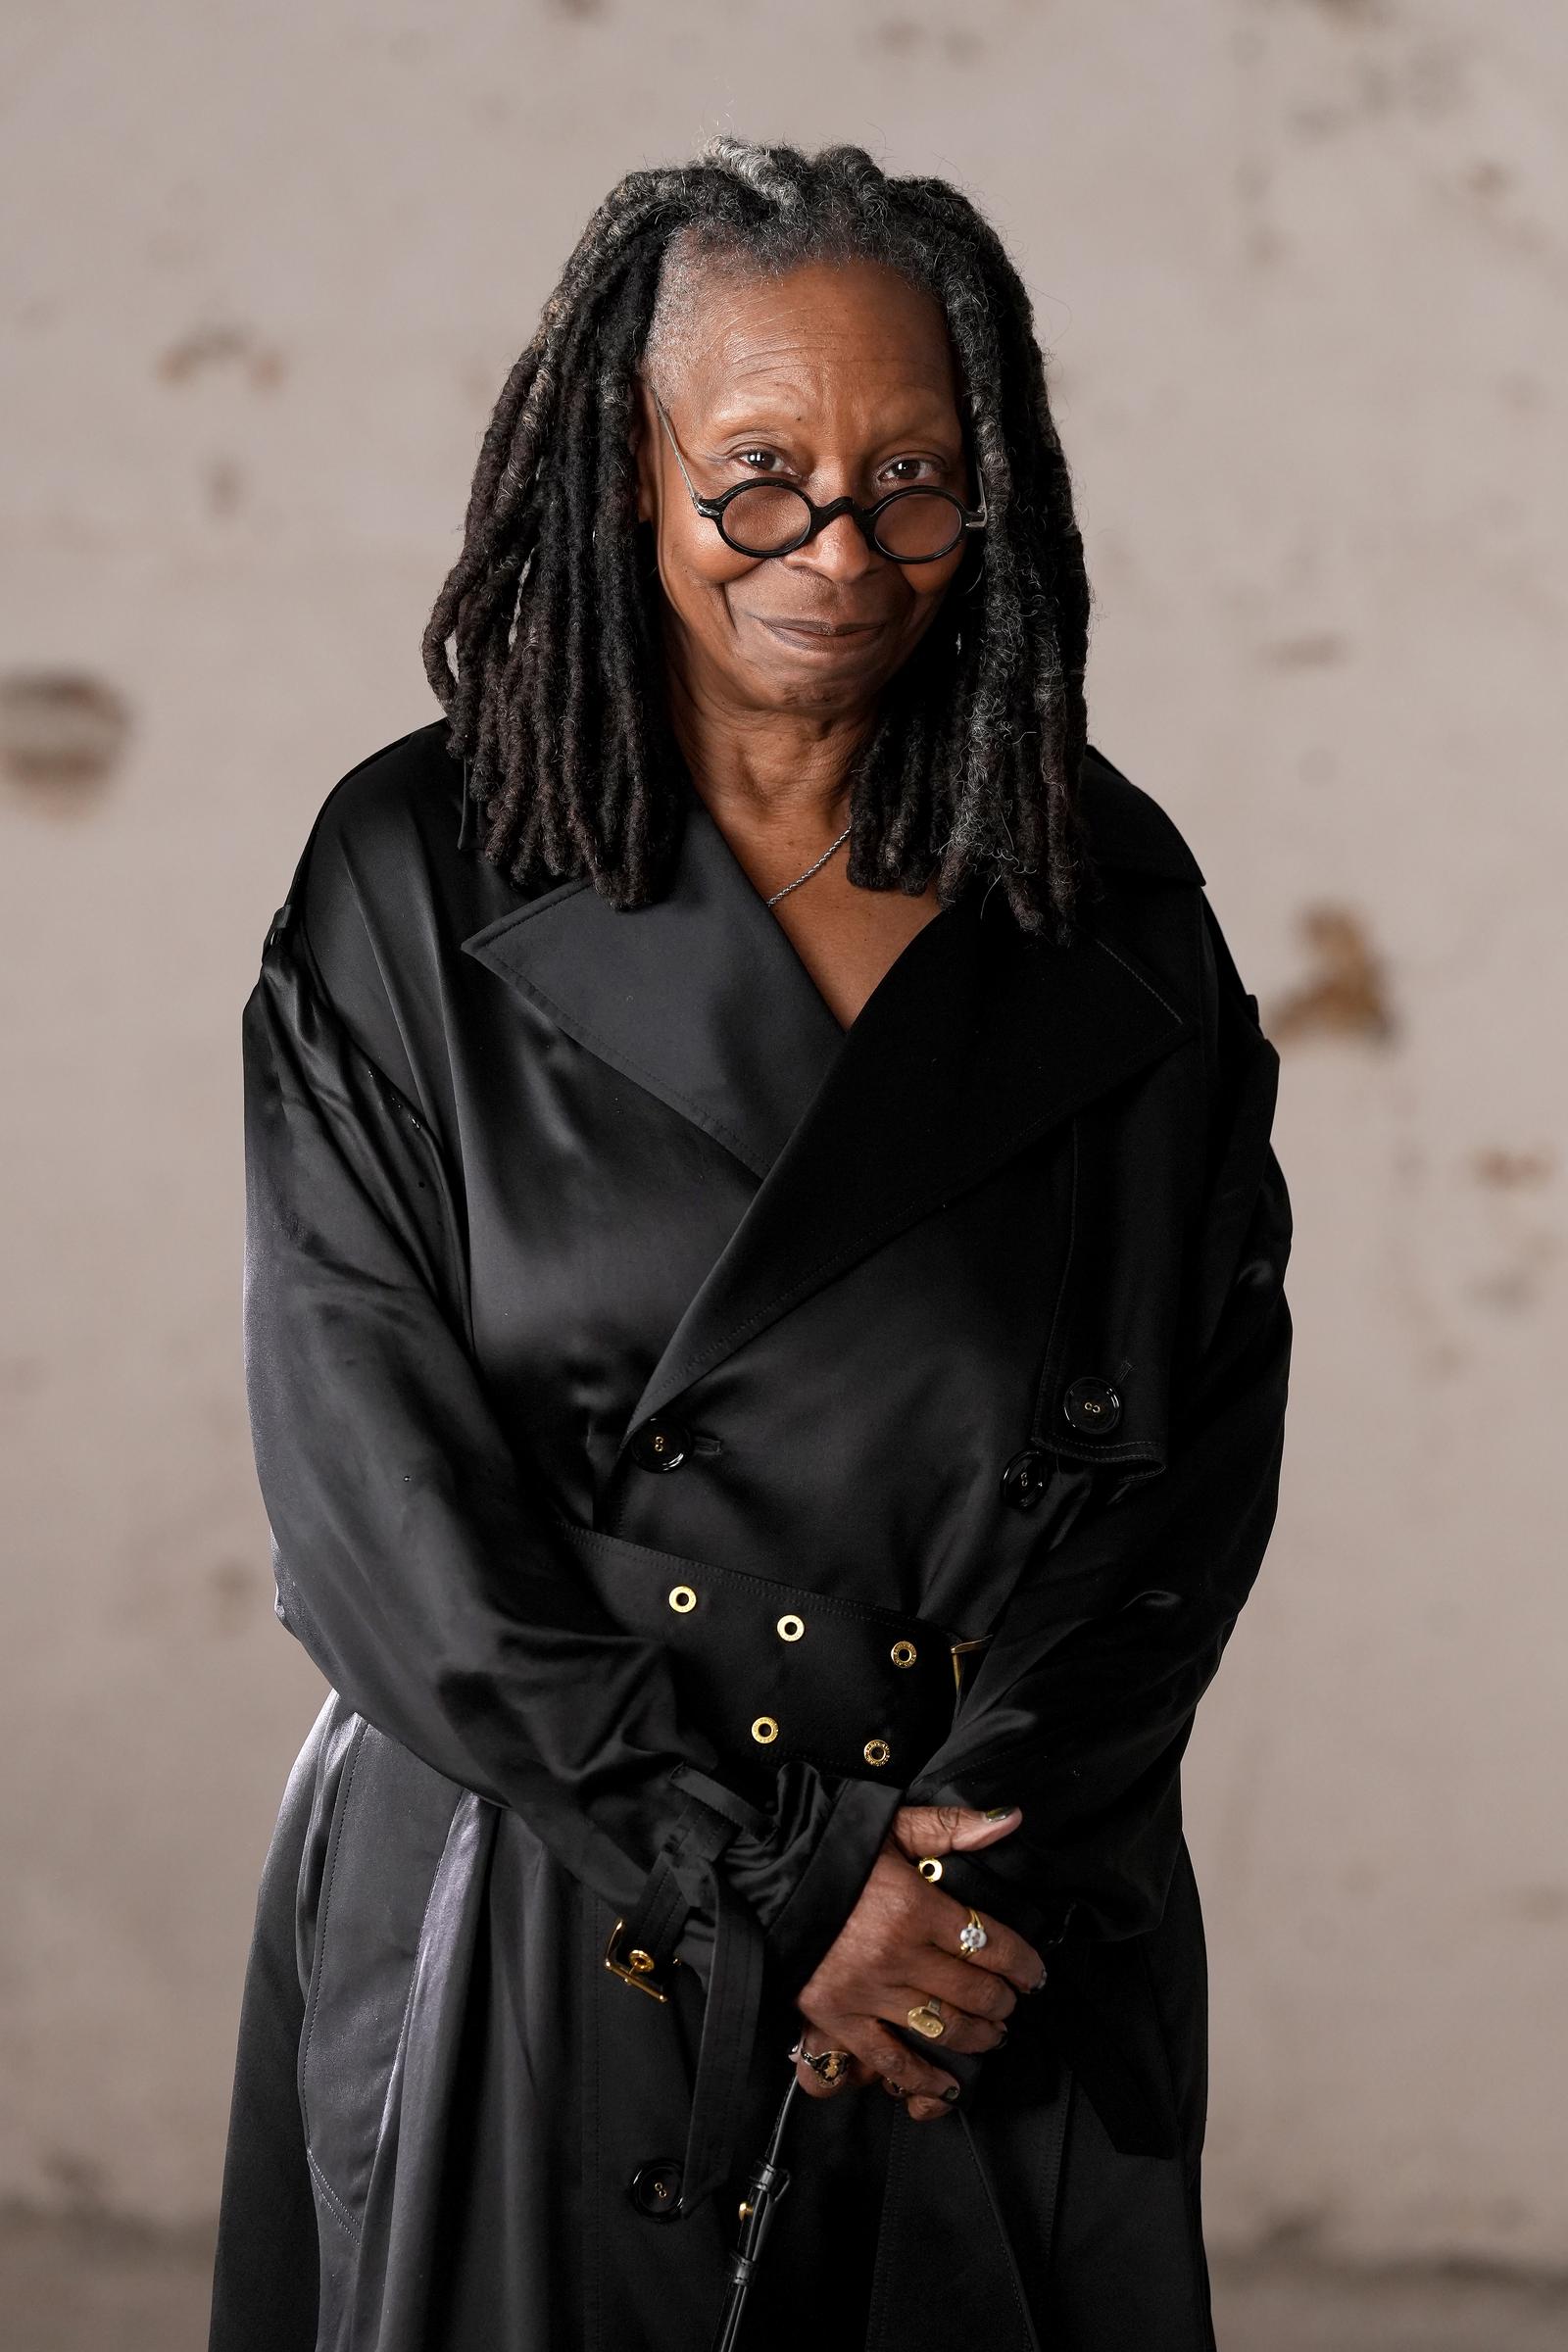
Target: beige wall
{"type": "Point", "coordinates": [1302, 272]}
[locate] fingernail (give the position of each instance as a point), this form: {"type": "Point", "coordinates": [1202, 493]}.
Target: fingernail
{"type": "Point", "coordinates": [1003, 2031]}
{"type": "Point", "coordinates": [997, 1812]}
{"type": "Point", "coordinates": [951, 2094]}
{"type": "Point", "coordinates": [1039, 1985]}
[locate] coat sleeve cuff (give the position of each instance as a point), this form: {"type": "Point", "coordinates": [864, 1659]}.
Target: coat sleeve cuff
{"type": "Point", "coordinates": [829, 1887]}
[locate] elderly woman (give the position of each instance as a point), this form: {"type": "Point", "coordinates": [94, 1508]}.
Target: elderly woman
{"type": "Point", "coordinates": [766, 1351]}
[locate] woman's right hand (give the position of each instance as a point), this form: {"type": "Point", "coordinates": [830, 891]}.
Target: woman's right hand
{"type": "Point", "coordinates": [896, 1949]}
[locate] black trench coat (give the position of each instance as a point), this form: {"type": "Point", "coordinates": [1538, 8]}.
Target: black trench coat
{"type": "Point", "coordinates": [689, 1430]}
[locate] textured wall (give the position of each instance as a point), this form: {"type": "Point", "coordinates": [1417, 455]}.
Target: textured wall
{"type": "Point", "coordinates": [1302, 274]}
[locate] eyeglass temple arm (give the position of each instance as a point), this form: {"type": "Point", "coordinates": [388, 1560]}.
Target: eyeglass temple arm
{"type": "Point", "coordinates": [701, 503]}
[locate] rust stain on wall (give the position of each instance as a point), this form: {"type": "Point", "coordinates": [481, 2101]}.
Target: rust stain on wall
{"type": "Point", "coordinates": [209, 346]}
{"type": "Point", "coordinates": [1526, 1249]}
{"type": "Point", "coordinates": [1346, 991]}
{"type": "Point", "coordinates": [1494, 1164]}
{"type": "Point", "coordinates": [1320, 650]}
{"type": "Point", "coordinates": [62, 732]}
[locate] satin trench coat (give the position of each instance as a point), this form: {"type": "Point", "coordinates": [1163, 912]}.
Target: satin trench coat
{"type": "Point", "coordinates": [689, 1430]}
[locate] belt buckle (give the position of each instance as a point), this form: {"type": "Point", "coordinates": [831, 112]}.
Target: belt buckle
{"type": "Point", "coordinates": [637, 1968]}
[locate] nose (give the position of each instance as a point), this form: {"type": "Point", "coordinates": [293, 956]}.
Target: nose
{"type": "Point", "coordinates": [838, 551]}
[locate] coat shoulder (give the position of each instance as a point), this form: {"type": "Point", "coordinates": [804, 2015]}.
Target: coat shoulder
{"type": "Point", "coordinates": [390, 804]}
{"type": "Point", "coordinates": [366, 899]}
{"type": "Point", "coordinates": [376, 845]}
{"type": "Point", "coordinates": [1126, 827]}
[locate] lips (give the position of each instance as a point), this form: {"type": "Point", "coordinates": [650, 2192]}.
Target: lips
{"type": "Point", "coordinates": [819, 629]}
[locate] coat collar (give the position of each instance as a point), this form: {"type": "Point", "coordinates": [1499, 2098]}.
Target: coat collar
{"type": "Point", "coordinates": [975, 1042]}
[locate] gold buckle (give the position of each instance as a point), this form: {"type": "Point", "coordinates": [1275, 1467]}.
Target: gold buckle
{"type": "Point", "coordinates": [637, 1968]}
{"type": "Point", "coordinates": [959, 1650]}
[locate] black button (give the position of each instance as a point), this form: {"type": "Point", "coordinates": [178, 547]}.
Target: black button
{"type": "Point", "coordinates": [655, 2189]}
{"type": "Point", "coordinates": [1023, 1481]}
{"type": "Point", "coordinates": [661, 1444]}
{"type": "Point", "coordinates": [1093, 1407]}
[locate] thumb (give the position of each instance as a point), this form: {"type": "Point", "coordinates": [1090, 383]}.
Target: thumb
{"type": "Point", "coordinates": [919, 1829]}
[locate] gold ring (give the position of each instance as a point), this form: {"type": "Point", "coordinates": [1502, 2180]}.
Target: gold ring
{"type": "Point", "coordinates": [930, 1866]}
{"type": "Point", "coordinates": [928, 2021]}
{"type": "Point", "coordinates": [972, 1936]}
{"type": "Point", "coordinates": [828, 2066]}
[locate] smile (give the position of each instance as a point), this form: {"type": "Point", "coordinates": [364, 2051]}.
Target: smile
{"type": "Point", "coordinates": [818, 636]}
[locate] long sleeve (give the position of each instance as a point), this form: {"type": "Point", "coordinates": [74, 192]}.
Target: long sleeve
{"type": "Point", "coordinates": [1086, 1696]}
{"type": "Point", "coordinates": [409, 1559]}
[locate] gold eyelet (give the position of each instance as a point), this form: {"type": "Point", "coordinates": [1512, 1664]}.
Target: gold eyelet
{"type": "Point", "coordinates": [876, 1751]}
{"type": "Point", "coordinates": [902, 1653]}
{"type": "Point", "coordinates": [790, 1629]}
{"type": "Point", "coordinates": [764, 1731]}
{"type": "Point", "coordinates": [930, 1866]}
{"type": "Point", "coordinates": [682, 1599]}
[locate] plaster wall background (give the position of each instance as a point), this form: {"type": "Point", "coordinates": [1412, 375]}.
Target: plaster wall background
{"type": "Point", "coordinates": [1301, 271]}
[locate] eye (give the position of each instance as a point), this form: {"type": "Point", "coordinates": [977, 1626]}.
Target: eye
{"type": "Point", "coordinates": [905, 480]}
{"type": "Point", "coordinates": [741, 456]}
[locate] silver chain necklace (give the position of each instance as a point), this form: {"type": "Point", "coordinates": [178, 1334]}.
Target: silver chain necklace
{"type": "Point", "coordinates": [811, 869]}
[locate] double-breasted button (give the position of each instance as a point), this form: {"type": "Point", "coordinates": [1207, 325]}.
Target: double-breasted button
{"type": "Point", "coordinates": [660, 1443]}
{"type": "Point", "coordinates": [1092, 1407]}
{"type": "Point", "coordinates": [1023, 1481]}
{"type": "Point", "coordinates": [654, 2188]}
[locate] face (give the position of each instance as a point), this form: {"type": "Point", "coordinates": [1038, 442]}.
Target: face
{"type": "Point", "coordinates": [838, 381]}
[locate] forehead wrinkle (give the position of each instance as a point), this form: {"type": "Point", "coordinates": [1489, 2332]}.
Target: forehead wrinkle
{"type": "Point", "coordinates": [796, 382]}
{"type": "Point", "coordinates": [888, 421]}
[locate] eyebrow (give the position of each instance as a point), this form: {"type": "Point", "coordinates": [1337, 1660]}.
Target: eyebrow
{"type": "Point", "coordinates": [762, 417]}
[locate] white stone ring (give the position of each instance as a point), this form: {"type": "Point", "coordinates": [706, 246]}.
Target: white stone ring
{"type": "Point", "coordinates": [972, 1936]}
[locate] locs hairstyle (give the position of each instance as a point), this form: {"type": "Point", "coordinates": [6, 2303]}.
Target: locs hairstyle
{"type": "Point", "coordinates": [557, 703]}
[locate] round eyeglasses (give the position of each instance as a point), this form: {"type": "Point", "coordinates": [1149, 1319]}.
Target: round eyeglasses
{"type": "Point", "coordinates": [911, 525]}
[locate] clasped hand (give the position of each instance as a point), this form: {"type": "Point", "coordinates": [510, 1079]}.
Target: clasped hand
{"type": "Point", "coordinates": [898, 1949]}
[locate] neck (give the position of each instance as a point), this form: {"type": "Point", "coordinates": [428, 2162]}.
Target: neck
{"type": "Point", "coordinates": [775, 778]}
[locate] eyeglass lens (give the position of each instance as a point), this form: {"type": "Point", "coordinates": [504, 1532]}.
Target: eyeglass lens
{"type": "Point", "coordinates": [766, 520]}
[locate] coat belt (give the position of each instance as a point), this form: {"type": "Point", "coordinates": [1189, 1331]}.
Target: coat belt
{"type": "Point", "coordinates": [772, 1671]}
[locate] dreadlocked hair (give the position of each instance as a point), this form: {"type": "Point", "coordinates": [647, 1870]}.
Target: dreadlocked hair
{"type": "Point", "coordinates": [556, 702]}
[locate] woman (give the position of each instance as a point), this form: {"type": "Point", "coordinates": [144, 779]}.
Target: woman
{"type": "Point", "coordinates": [766, 1353]}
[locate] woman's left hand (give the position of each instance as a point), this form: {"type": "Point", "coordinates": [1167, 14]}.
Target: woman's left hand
{"type": "Point", "coordinates": [898, 1949]}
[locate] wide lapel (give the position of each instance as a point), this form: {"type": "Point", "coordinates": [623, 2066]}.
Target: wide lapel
{"type": "Point", "coordinates": [699, 997]}
{"type": "Point", "coordinates": [976, 1041]}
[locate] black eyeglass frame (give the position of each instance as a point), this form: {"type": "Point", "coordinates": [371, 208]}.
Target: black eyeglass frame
{"type": "Point", "coordinates": [970, 519]}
